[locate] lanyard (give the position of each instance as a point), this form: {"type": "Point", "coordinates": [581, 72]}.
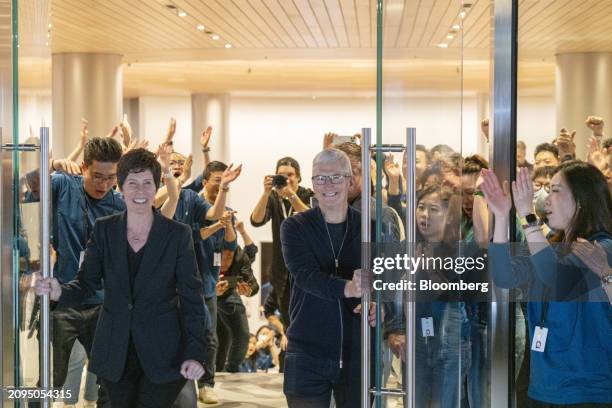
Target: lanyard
{"type": "Point", "coordinates": [544, 309]}
{"type": "Point", "coordinates": [282, 204]}
{"type": "Point", "coordinates": [85, 208]}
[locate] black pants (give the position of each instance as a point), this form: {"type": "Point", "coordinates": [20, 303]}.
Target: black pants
{"type": "Point", "coordinates": [68, 325]}
{"type": "Point", "coordinates": [233, 335]}
{"type": "Point", "coordinates": [134, 390]}
{"type": "Point", "coordinates": [309, 382]}
{"type": "Point", "coordinates": [531, 403]}
{"type": "Point", "coordinates": [208, 379]}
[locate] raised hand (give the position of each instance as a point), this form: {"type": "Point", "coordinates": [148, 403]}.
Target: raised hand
{"type": "Point", "coordinates": [484, 127]}
{"type": "Point", "coordinates": [596, 124]}
{"type": "Point", "coordinates": [565, 142]}
{"type": "Point", "coordinates": [230, 174]}
{"type": "Point", "coordinates": [205, 138]}
{"type": "Point", "coordinates": [171, 131]}
{"type": "Point", "coordinates": [113, 132]}
{"type": "Point", "coordinates": [391, 168]}
{"type": "Point", "coordinates": [126, 131]}
{"type": "Point", "coordinates": [84, 132]}
{"type": "Point", "coordinates": [328, 139]}
{"type": "Point", "coordinates": [497, 195]}
{"type": "Point", "coordinates": [522, 192]}
{"type": "Point", "coordinates": [163, 155]}
{"type": "Point", "coordinates": [137, 144]}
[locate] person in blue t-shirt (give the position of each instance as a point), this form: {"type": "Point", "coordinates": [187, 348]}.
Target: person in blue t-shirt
{"type": "Point", "coordinates": [77, 201]}
{"type": "Point", "coordinates": [570, 315]}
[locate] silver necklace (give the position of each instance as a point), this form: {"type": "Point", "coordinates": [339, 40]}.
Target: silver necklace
{"type": "Point", "coordinates": [331, 244]}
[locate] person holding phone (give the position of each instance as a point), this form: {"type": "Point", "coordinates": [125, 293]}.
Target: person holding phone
{"type": "Point", "coordinates": [281, 200]}
{"type": "Point", "coordinates": [236, 279]}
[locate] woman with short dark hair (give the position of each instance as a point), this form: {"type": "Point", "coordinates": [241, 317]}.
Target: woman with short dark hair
{"type": "Point", "coordinates": [150, 337]}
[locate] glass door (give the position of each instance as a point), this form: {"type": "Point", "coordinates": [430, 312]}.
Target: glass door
{"type": "Point", "coordinates": [429, 223]}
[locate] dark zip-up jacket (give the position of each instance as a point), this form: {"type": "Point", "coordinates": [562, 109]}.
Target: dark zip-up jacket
{"type": "Point", "coordinates": [323, 324]}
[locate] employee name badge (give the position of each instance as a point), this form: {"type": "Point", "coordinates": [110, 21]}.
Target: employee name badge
{"type": "Point", "coordinates": [217, 259]}
{"type": "Point", "coordinates": [81, 257]}
{"type": "Point", "coordinates": [427, 326]}
{"type": "Point", "coordinates": [539, 339]}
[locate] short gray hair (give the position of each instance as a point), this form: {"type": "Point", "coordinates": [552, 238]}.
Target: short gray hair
{"type": "Point", "coordinates": [333, 156]}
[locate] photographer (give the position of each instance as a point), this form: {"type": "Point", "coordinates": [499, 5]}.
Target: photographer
{"type": "Point", "coordinates": [281, 198]}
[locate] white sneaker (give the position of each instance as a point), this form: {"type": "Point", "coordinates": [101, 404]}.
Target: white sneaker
{"type": "Point", "coordinates": [207, 395]}
{"type": "Point", "coordinates": [89, 404]}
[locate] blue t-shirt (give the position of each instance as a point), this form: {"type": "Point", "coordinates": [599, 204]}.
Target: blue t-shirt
{"type": "Point", "coordinates": [191, 210]}
{"type": "Point", "coordinates": [74, 215]}
{"type": "Point", "coordinates": [213, 244]}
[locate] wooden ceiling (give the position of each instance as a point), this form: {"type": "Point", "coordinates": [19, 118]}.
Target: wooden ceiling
{"type": "Point", "coordinates": [304, 45]}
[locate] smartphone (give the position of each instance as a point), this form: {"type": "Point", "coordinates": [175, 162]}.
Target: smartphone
{"type": "Point", "coordinates": [343, 139]}
{"type": "Point", "coordinates": [232, 280]}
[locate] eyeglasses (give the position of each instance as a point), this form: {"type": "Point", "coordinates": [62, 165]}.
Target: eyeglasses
{"type": "Point", "coordinates": [538, 187]}
{"type": "Point", "coordinates": [102, 179]}
{"type": "Point", "coordinates": [335, 179]}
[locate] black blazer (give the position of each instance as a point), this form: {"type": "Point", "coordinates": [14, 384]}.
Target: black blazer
{"type": "Point", "coordinates": [166, 315]}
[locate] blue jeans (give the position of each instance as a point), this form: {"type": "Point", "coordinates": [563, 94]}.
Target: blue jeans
{"type": "Point", "coordinates": [75, 371]}
{"type": "Point", "coordinates": [477, 389]}
{"type": "Point", "coordinates": [310, 381]}
{"type": "Point", "coordinates": [443, 359]}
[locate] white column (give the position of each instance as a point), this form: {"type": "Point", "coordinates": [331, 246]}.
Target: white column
{"type": "Point", "coordinates": [583, 84]}
{"type": "Point", "coordinates": [86, 86]}
{"type": "Point", "coordinates": [210, 110]}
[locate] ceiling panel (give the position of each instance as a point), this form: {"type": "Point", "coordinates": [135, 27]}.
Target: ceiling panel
{"type": "Point", "coordinates": [284, 38]}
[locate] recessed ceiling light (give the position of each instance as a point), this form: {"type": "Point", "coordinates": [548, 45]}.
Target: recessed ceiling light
{"type": "Point", "coordinates": [215, 37]}
{"type": "Point", "coordinates": [228, 45]}
{"type": "Point", "coordinates": [456, 27]}
{"type": "Point", "coordinates": [442, 45]}
{"type": "Point", "coordinates": [49, 25]}
{"type": "Point", "coordinates": [200, 27]}
{"type": "Point", "coordinates": [450, 36]}
{"type": "Point", "coordinates": [182, 13]}
{"type": "Point", "coordinates": [462, 14]}
{"type": "Point", "coordinates": [47, 44]}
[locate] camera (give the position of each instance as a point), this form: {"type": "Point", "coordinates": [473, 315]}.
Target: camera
{"type": "Point", "coordinates": [279, 181]}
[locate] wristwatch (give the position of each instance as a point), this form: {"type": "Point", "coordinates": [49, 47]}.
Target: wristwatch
{"type": "Point", "coordinates": [606, 280]}
{"type": "Point", "coordinates": [530, 220]}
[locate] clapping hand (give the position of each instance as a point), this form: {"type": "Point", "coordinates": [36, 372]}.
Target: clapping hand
{"type": "Point", "coordinates": [497, 195]}
{"type": "Point", "coordinates": [522, 192]}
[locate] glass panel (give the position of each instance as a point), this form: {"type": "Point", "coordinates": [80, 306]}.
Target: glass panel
{"type": "Point", "coordinates": [564, 113]}
{"type": "Point", "coordinates": [32, 94]}
{"type": "Point", "coordinates": [435, 68]}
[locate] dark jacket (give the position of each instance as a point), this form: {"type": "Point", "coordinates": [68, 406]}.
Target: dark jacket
{"type": "Point", "coordinates": [241, 266]}
{"type": "Point", "coordinates": [323, 323]}
{"type": "Point", "coordinates": [164, 314]}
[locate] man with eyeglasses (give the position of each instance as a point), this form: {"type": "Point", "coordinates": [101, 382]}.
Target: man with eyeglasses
{"type": "Point", "coordinates": [322, 249]}
{"type": "Point", "coordinates": [77, 201]}
{"type": "Point", "coordinates": [282, 197]}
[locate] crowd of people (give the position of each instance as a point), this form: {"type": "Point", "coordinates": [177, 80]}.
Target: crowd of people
{"type": "Point", "coordinates": [150, 272]}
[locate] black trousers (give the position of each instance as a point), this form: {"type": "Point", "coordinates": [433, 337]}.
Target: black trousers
{"type": "Point", "coordinates": [135, 390]}
{"type": "Point", "coordinates": [233, 335]}
{"type": "Point", "coordinates": [208, 379]}
{"type": "Point", "coordinates": [68, 325]}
